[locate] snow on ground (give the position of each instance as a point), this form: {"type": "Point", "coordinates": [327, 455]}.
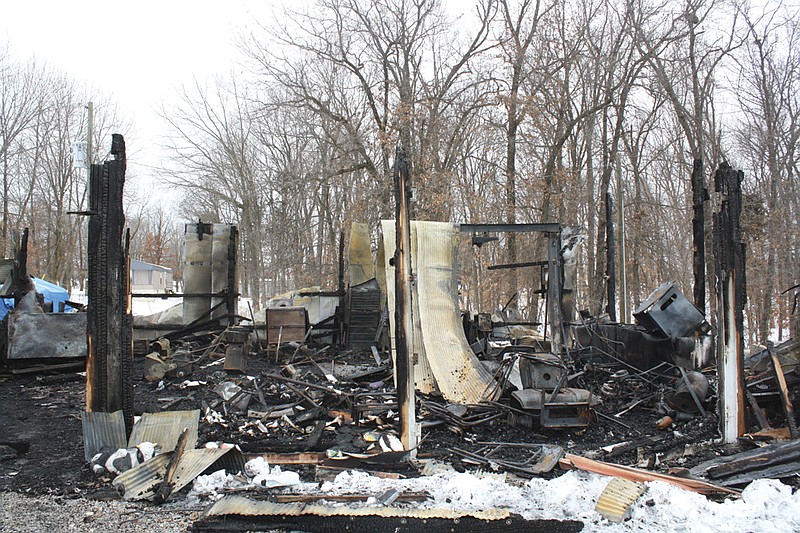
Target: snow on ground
{"type": "Point", "coordinates": [765, 505]}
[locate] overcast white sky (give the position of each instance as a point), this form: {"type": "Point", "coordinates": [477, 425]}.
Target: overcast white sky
{"type": "Point", "coordinates": [137, 52]}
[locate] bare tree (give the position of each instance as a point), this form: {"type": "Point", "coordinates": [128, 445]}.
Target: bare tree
{"type": "Point", "coordinates": [769, 138]}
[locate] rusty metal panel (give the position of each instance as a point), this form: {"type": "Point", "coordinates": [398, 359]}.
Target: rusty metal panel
{"type": "Point", "coordinates": [286, 323]}
{"type": "Point", "coordinates": [459, 374]}
{"type": "Point", "coordinates": [239, 505]}
{"type": "Point", "coordinates": [165, 429]}
{"type": "Point", "coordinates": [46, 335]}
{"type": "Point", "coordinates": [102, 430]}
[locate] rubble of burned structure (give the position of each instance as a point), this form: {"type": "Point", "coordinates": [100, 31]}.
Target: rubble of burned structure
{"type": "Point", "coordinates": [261, 405]}
{"type": "Point", "coordinates": [276, 417]}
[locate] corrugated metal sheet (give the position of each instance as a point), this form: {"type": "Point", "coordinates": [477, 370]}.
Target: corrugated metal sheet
{"type": "Point", "coordinates": [423, 376]}
{"type": "Point", "coordinates": [618, 497]}
{"type": "Point", "coordinates": [142, 481]}
{"type": "Point", "coordinates": [195, 462]}
{"type": "Point", "coordinates": [239, 505]}
{"type": "Point", "coordinates": [165, 429]}
{"type": "Point", "coordinates": [360, 265]}
{"type": "Point", "coordinates": [459, 374]}
{"type": "Point", "coordinates": [102, 430]}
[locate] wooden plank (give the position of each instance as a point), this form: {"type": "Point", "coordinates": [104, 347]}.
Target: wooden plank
{"type": "Point", "coordinates": [788, 408]}
{"type": "Point", "coordinates": [302, 458]}
{"type": "Point", "coordinates": [763, 423]}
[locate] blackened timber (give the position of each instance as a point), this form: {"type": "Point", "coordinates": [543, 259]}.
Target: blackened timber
{"type": "Point", "coordinates": [126, 333]}
{"type": "Point", "coordinates": [788, 408]}
{"type": "Point", "coordinates": [519, 228]}
{"type": "Point", "coordinates": [110, 351]}
{"type": "Point", "coordinates": [729, 260]}
{"type": "Point", "coordinates": [699, 196]}
{"type": "Point", "coordinates": [232, 296]}
{"type": "Point", "coordinates": [381, 524]}
{"type": "Point", "coordinates": [21, 282]}
{"type": "Point", "coordinates": [519, 265]}
{"type": "Point", "coordinates": [406, 393]}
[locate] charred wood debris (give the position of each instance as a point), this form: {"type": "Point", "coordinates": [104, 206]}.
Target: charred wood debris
{"type": "Point", "coordinates": [637, 402]}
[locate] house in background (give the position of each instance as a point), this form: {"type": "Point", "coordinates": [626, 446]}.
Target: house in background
{"type": "Point", "coordinates": [150, 278]}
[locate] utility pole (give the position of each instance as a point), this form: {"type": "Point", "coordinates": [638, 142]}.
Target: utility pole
{"type": "Point", "coordinates": [623, 278]}
{"type": "Point", "coordinates": [89, 133]}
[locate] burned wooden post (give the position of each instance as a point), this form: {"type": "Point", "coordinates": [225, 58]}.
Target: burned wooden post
{"type": "Point", "coordinates": [406, 396]}
{"type": "Point", "coordinates": [699, 196]}
{"type": "Point", "coordinates": [109, 365]}
{"type": "Point", "coordinates": [232, 294]}
{"type": "Point", "coordinates": [729, 260]}
{"type": "Point", "coordinates": [21, 283]}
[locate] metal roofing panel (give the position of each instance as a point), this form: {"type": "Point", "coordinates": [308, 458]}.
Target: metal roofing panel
{"type": "Point", "coordinates": [424, 380]}
{"type": "Point", "coordinates": [195, 462]}
{"type": "Point", "coordinates": [141, 481]}
{"type": "Point", "coordinates": [618, 497]}
{"type": "Point", "coordinates": [239, 505]}
{"type": "Point", "coordinates": [102, 430]}
{"type": "Point", "coordinates": [165, 429]}
{"type": "Point", "coordinates": [360, 266]}
{"type": "Point", "coordinates": [459, 374]}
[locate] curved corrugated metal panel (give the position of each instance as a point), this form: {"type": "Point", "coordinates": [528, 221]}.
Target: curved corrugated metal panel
{"type": "Point", "coordinates": [446, 362]}
{"type": "Point", "coordinates": [459, 374]}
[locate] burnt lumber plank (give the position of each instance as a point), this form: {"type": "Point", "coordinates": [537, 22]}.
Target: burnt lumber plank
{"type": "Point", "coordinates": [788, 408]}
{"type": "Point", "coordinates": [749, 461]}
{"type": "Point", "coordinates": [378, 524]}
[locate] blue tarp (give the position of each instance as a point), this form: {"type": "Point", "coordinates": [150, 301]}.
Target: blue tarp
{"type": "Point", "coordinates": [51, 292]}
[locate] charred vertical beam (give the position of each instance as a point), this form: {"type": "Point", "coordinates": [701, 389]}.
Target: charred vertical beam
{"type": "Point", "coordinates": [699, 196]}
{"type": "Point", "coordinates": [21, 282]}
{"type": "Point", "coordinates": [110, 351]}
{"type": "Point", "coordinates": [406, 396]}
{"type": "Point", "coordinates": [611, 252]}
{"type": "Point", "coordinates": [729, 257]}
{"type": "Point", "coordinates": [340, 322]}
{"type": "Point", "coordinates": [126, 334]}
{"type": "Point", "coordinates": [340, 287]}
{"type": "Point", "coordinates": [232, 293]}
